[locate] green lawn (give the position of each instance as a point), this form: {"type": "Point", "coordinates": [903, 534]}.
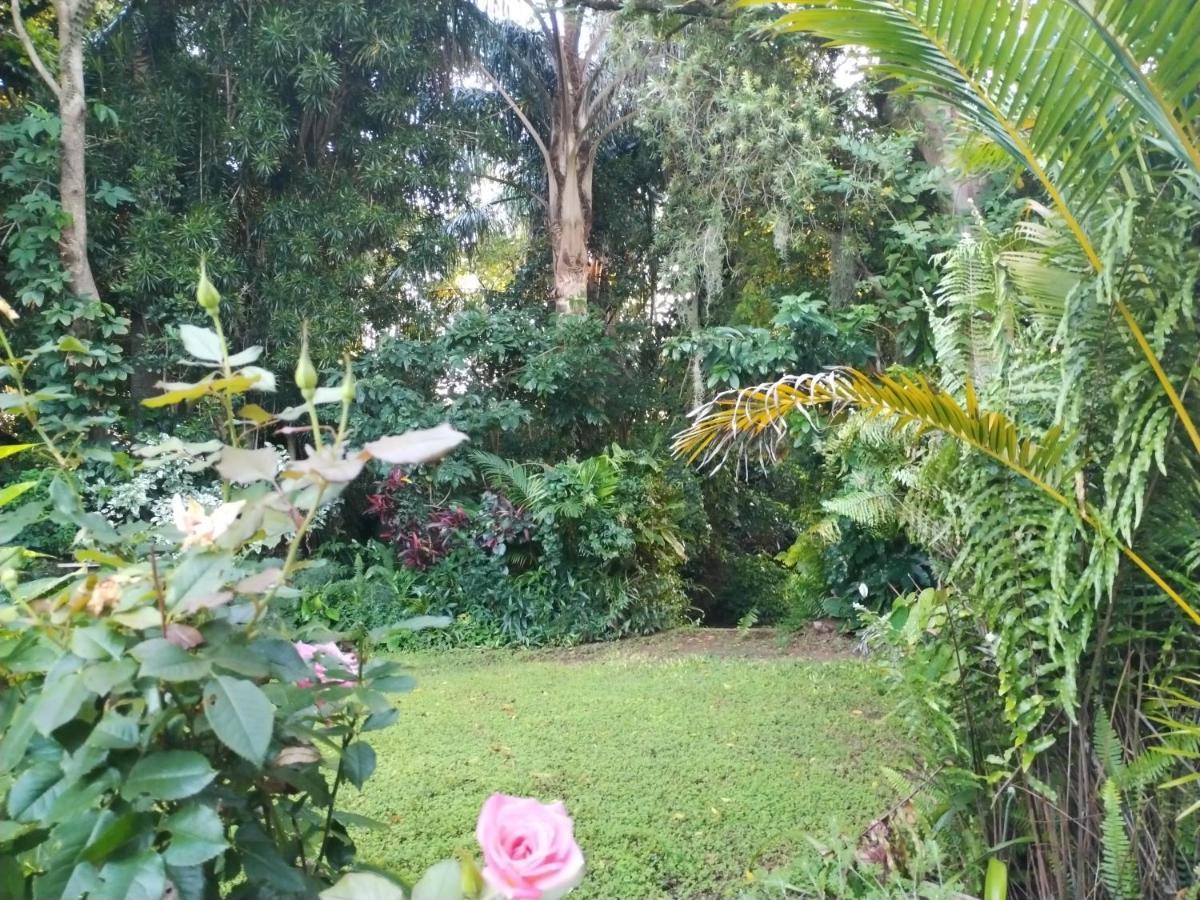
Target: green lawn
{"type": "Point", "coordinates": [682, 771]}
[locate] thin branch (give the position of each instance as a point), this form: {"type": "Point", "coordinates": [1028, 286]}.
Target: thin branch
{"type": "Point", "coordinates": [699, 8]}
{"type": "Point", "coordinates": [528, 125]}
{"type": "Point", "coordinates": [602, 32]}
{"type": "Point", "coordinates": [514, 184]}
{"type": "Point", "coordinates": [31, 51]}
{"type": "Point", "coordinates": [607, 92]}
{"type": "Point", "coordinates": [613, 126]}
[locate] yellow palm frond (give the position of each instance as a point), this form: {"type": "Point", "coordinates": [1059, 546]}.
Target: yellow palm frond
{"type": "Point", "coordinates": [752, 419]}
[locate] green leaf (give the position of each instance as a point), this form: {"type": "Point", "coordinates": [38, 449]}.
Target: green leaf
{"type": "Point", "coordinates": [110, 836]}
{"type": "Point", "coordinates": [16, 737]}
{"type": "Point", "coordinates": [442, 881]}
{"type": "Point", "coordinates": [32, 793]}
{"type": "Point", "coordinates": [197, 835]}
{"type": "Point", "coordinates": [358, 763]}
{"type": "Point", "coordinates": [114, 732]}
{"type": "Point", "coordinates": [59, 703]}
{"type": "Point", "coordinates": [364, 886]}
{"type": "Point", "coordinates": [103, 678]}
{"type": "Point", "coordinates": [69, 344]}
{"type": "Point", "coordinates": [7, 450]}
{"type": "Point", "coordinates": [394, 684]}
{"type": "Point", "coordinates": [995, 887]}
{"type": "Point", "coordinates": [97, 642]}
{"type": "Point", "coordinates": [240, 715]}
{"type": "Point", "coordinates": [13, 523]}
{"type": "Point", "coordinates": [197, 580]}
{"type": "Point", "coordinates": [168, 662]}
{"type": "Point", "coordinates": [263, 864]}
{"type": "Point", "coordinates": [11, 492]}
{"type": "Point", "coordinates": [168, 775]}
{"type": "Point", "coordinates": [143, 877]}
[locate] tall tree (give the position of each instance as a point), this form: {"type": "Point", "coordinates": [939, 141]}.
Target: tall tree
{"type": "Point", "coordinates": [309, 148]}
{"type": "Point", "coordinates": [68, 88]}
{"type": "Point", "coordinates": [580, 109]}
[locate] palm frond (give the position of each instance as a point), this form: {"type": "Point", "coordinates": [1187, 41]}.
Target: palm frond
{"type": "Point", "coordinates": [1073, 90]}
{"type": "Point", "coordinates": [1068, 90]}
{"type": "Point", "coordinates": [522, 484]}
{"type": "Point", "coordinates": [741, 420]}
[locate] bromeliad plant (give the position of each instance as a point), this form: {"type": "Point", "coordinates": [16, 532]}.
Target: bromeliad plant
{"type": "Point", "coordinates": [160, 732]}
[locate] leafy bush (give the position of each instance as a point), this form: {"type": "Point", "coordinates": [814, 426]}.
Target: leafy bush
{"type": "Point", "coordinates": [160, 730]}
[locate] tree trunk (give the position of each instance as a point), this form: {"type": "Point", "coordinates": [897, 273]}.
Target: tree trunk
{"type": "Point", "coordinates": [72, 179]}
{"type": "Point", "coordinates": [569, 214]}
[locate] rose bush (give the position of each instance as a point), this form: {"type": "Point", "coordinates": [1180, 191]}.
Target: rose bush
{"type": "Point", "coordinates": [162, 732]}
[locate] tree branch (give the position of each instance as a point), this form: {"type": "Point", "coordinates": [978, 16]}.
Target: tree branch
{"type": "Point", "coordinates": [605, 94]}
{"type": "Point", "coordinates": [611, 127]}
{"type": "Point", "coordinates": [516, 185]}
{"type": "Point", "coordinates": [525, 123]}
{"type": "Point", "coordinates": [31, 51]}
{"type": "Point", "coordinates": [716, 9]}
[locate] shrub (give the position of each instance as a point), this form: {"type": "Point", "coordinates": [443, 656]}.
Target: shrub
{"type": "Point", "coordinates": [160, 730]}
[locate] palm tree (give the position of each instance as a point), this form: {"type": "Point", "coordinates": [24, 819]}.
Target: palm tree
{"type": "Point", "coordinates": [1086, 96]}
{"type": "Point", "coordinates": [580, 108]}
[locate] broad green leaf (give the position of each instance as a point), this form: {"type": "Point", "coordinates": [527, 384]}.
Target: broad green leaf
{"type": "Point", "coordinates": [263, 864]}
{"type": "Point", "coordinates": [16, 737]}
{"type": "Point", "coordinates": [442, 881]}
{"type": "Point", "coordinates": [102, 678]}
{"type": "Point", "coordinates": [168, 775]}
{"type": "Point", "coordinates": [70, 344]}
{"type": "Point", "coordinates": [97, 642]}
{"type": "Point", "coordinates": [163, 660]}
{"type": "Point", "coordinates": [7, 450]}
{"type": "Point", "coordinates": [365, 886]}
{"type": "Point", "coordinates": [11, 492]}
{"type": "Point", "coordinates": [197, 835]}
{"type": "Point", "coordinates": [33, 792]}
{"type": "Point", "coordinates": [142, 877]}
{"type": "Point", "coordinates": [358, 763]}
{"type": "Point", "coordinates": [59, 703]}
{"type": "Point", "coordinates": [114, 732]}
{"type": "Point", "coordinates": [241, 716]}
{"type": "Point", "coordinates": [415, 447]}
{"type": "Point", "coordinates": [197, 580]}
{"type": "Point", "coordinates": [995, 887]}
{"type": "Point", "coordinates": [285, 661]}
{"type": "Point", "coordinates": [13, 523]}
{"type": "Point", "coordinates": [112, 834]}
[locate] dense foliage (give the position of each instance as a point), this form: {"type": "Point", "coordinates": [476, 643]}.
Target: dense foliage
{"type": "Point", "coordinates": [973, 225]}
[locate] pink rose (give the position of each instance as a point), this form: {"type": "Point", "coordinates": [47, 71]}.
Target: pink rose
{"type": "Point", "coordinates": [331, 653]}
{"type": "Point", "coordinates": [529, 849]}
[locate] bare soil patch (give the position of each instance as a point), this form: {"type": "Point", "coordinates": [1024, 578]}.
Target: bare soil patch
{"type": "Point", "coordinates": [758, 643]}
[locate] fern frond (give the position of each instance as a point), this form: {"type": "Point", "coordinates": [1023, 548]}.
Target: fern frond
{"type": "Point", "coordinates": [1116, 864]}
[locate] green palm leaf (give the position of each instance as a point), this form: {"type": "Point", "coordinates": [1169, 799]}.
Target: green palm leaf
{"type": "Point", "coordinates": [1073, 89]}
{"type": "Point", "coordinates": [737, 422]}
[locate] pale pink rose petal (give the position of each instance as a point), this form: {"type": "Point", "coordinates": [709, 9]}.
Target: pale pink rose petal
{"type": "Point", "coordinates": [529, 848]}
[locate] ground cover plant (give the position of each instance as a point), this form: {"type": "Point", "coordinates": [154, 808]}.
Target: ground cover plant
{"type": "Point", "coordinates": [690, 774]}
